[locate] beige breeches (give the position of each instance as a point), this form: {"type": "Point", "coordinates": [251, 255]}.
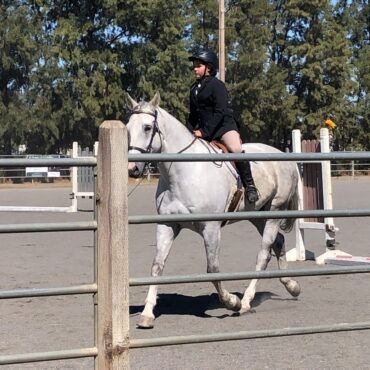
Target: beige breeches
{"type": "Point", "coordinates": [231, 140]}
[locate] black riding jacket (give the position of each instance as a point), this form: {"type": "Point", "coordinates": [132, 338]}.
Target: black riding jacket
{"type": "Point", "coordinates": [210, 108]}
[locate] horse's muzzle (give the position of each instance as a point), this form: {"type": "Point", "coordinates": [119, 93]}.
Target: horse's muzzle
{"type": "Point", "coordinates": [134, 173]}
{"type": "Point", "coordinates": [134, 170]}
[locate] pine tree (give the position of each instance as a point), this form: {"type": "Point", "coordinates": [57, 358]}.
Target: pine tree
{"type": "Point", "coordinates": [89, 90]}
{"type": "Point", "coordinates": [66, 66]}
{"type": "Point", "coordinates": [354, 17]}
{"type": "Point", "coordinates": [317, 57]}
{"type": "Point", "coordinates": [245, 73]}
{"type": "Point", "coordinates": [160, 57]}
{"type": "Point", "coordinates": [19, 27]}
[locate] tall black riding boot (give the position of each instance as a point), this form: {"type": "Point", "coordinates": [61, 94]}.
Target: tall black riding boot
{"type": "Point", "coordinates": [244, 169]}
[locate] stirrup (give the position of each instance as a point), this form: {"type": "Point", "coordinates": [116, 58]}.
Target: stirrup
{"type": "Point", "coordinates": [252, 193]}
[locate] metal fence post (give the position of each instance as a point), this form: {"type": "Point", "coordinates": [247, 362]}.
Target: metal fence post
{"type": "Point", "coordinates": [112, 274]}
{"type": "Point", "coordinates": [74, 175]}
{"type": "Point", "coordinates": [353, 170]}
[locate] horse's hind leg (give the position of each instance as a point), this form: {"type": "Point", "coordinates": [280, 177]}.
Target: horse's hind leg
{"type": "Point", "coordinates": [166, 234]}
{"type": "Point", "coordinates": [291, 285]}
{"type": "Point", "coordinates": [212, 234]}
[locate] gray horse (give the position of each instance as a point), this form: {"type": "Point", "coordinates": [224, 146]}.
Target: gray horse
{"type": "Point", "coordinates": [208, 187]}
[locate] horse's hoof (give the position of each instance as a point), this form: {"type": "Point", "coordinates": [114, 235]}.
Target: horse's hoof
{"type": "Point", "coordinates": [232, 302]}
{"type": "Point", "coordinates": [145, 322]}
{"type": "Point", "coordinates": [235, 305]}
{"type": "Point", "coordinates": [245, 311]}
{"type": "Point", "coordinates": [293, 288]}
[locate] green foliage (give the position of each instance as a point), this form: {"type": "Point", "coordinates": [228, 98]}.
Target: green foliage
{"type": "Point", "coordinates": [19, 26]}
{"type": "Point", "coordinates": [65, 66]}
{"type": "Point", "coordinates": [164, 58]}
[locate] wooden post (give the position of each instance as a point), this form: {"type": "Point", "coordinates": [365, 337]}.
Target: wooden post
{"type": "Point", "coordinates": [221, 39]}
{"type": "Point", "coordinates": [112, 274]}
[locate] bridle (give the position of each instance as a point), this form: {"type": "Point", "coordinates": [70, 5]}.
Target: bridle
{"type": "Point", "coordinates": [155, 131]}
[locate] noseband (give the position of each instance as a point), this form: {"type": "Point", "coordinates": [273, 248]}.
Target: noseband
{"type": "Point", "coordinates": [154, 131]}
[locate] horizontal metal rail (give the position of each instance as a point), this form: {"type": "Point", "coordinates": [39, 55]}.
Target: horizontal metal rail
{"type": "Point", "coordinates": [48, 292]}
{"type": "Point", "coordinates": [48, 356]}
{"type": "Point", "coordinates": [48, 227]}
{"type": "Point", "coordinates": [190, 217]}
{"type": "Point", "coordinates": [187, 157]}
{"type": "Point", "coordinates": [51, 162]}
{"type": "Point", "coordinates": [35, 209]}
{"type": "Point", "coordinates": [195, 157]}
{"type": "Point", "coordinates": [189, 339]}
{"type": "Point", "coordinates": [252, 334]}
{"type": "Point", "coordinates": [184, 279]}
{"type": "Point", "coordinates": [145, 219]}
{"type": "Point", "coordinates": [200, 278]}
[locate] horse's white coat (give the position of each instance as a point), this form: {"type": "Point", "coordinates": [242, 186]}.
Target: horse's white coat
{"type": "Point", "coordinates": [207, 187]}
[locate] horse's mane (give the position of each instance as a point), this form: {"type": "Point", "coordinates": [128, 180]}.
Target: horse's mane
{"type": "Point", "coordinates": [168, 115]}
{"type": "Point", "coordinates": [173, 121]}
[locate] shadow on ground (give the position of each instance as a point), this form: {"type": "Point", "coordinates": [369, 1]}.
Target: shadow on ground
{"type": "Point", "coordinates": [179, 304]}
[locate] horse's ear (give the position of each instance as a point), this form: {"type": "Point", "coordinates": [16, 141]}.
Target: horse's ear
{"type": "Point", "coordinates": [156, 100]}
{"type": "Point", "coordinates": [131, 103]}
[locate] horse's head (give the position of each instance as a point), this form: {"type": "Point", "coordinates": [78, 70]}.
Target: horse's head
{"type": "Point", "coordinates": [143, 131]}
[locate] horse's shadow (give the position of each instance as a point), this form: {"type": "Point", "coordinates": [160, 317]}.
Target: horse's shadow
{"type": "Point", "coordinates": [199, 306]}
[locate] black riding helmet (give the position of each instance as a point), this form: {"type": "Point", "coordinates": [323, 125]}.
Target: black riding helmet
{"type": "Point", "coordinates": [207, 56]}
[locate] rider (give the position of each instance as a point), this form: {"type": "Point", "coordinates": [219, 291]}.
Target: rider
{"type": "Point", "coordinates": [211, 115]}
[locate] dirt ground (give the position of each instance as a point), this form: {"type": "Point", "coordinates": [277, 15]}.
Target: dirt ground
{"type": "Point", "coordinates": [56, 323]}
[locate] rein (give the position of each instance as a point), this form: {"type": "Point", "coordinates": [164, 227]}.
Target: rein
{"type": "Point", "coordinates": [154, 132]}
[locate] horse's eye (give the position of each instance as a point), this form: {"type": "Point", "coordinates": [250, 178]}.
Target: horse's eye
{"type": "Point", "coordinates": [147, 128]}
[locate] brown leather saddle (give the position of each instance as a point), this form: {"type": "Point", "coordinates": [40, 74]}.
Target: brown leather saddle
{"type": "Point", "coordinates": [238, 192]}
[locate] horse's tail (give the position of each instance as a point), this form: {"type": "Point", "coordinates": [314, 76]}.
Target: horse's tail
{"type": "Point", "coordinates": [292, 205]}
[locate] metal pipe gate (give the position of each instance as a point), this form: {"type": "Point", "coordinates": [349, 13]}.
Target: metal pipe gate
{"type": "Point", "coordinates": [112, 332]}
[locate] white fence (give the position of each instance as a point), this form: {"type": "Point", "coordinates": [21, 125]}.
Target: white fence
{"type": "Point", "coordinates": [351, 168]}
{"type": "Point", "coordinates": [82, 179]}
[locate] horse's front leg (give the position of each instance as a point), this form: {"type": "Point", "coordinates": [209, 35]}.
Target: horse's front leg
{"type": "Point", "coordinates": [212, 235]}
{"type": "Point", "coordinates": [166, 234]}
{"type": "Point", "coordinates": [268, 230]}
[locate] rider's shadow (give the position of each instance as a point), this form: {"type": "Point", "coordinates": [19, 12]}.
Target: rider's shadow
{"type": "Point", "coordinates": [199, 306]}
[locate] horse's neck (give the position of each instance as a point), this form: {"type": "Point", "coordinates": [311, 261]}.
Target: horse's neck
{"type": "Point", "coordinates": [176, 137]}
